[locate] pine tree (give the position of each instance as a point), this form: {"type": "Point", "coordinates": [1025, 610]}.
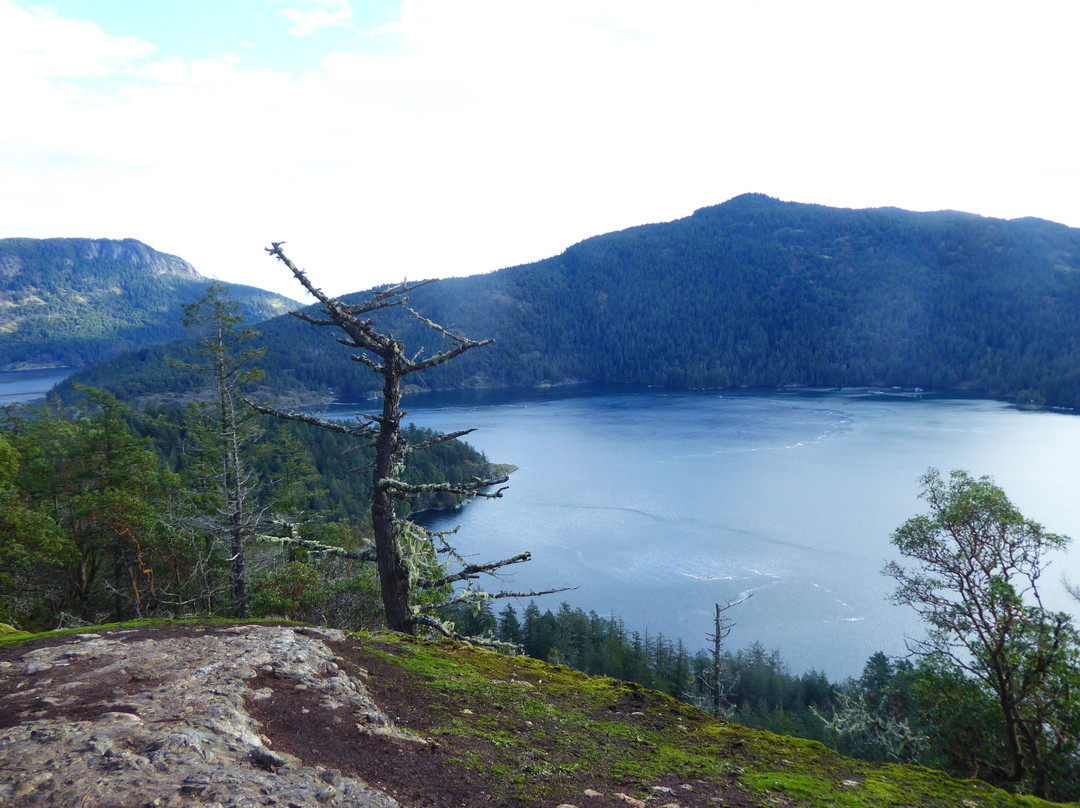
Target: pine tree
{"type": "Point", "coordinates": [224, 430]}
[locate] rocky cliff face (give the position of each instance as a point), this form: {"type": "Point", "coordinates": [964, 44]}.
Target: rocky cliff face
{"type": "Point", "coordinates": [138, 254]}
{"type": "Point", "coordinates": [163, 718]}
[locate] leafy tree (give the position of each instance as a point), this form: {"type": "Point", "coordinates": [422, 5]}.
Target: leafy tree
{"type": "Point", "coordinates": [974, 580]}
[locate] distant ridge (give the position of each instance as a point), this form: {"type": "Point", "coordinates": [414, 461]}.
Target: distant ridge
{"type": "Point", "coordinates": [753, 292]}
{"type": "Point", "coordinates": [69, 302]}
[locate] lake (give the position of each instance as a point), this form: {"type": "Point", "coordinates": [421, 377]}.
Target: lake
{"type": "Point", "coordinates": [657, 504]}
{"type": "Point", "coordinates": [22, 386]}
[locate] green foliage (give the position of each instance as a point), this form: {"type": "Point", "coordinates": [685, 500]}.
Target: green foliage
{"type": "Point", "coordinates": [326, 594]}
{"type": "Point", "coordinates": [993, 649]}
{"type": "Point", "coordinates": [72, 302]}
{"type": "Point", "coordinates": [289, 590]}
{"type": "Point", "coordinates": [88, 504]}
{"type": "Point", "coordinates": [32, 549]}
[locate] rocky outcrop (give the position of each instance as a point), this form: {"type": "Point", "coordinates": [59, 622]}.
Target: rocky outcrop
{"type": "Point", "coordinates": [125, 718]}
{"type": "Point", "coordinates": [131, 251]}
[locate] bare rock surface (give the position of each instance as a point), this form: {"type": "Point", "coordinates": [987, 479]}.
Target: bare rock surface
{"type": "Point", "coordinates": [129, 718]}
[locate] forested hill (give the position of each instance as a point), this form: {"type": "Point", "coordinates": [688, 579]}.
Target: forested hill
{"type": "Point", "coordinates": [753, 292]}
{"type": "Point", "coordinates": [67, 302]}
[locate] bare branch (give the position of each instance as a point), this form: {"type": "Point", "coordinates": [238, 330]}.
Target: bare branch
{"type": "Point", "coordinates": [484, 642]}
{"type": "Point", "coordinates": [367, 554]}
{"type": "Point", "coordinates": [371, 363]}
{"type": "Point", "coordinates": [307, 318]}
{"type": "Point", "coordinates": [502, 594]}
{"type": "Point", "coordinates": [436, 440]}
{"type": "Point", "coordinates": [444, 356]}
{"type": "Point", "coordinates": [473, 570]}
{"type": "Point", "coordinates": [470, 489]}
{"type": "Point", "coordinates": [359, 430]}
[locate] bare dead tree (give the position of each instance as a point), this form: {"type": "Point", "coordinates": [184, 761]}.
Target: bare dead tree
{"type": "Point", "coordinates": [406, 555]}
{"type": "Point", "coordinates": [722, 626]}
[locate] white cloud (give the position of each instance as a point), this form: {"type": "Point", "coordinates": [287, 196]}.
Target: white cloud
{"type": "Point", "coordinates": [36, 42]}
{"type": "Point", "coordinates": [316, 15]}
{"type": "Point", "coordinates": [465, 136]}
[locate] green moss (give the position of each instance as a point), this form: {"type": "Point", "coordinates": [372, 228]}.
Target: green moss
{"type": "Point", "coordinates": [642, 738]}
{"type": "Point", "coordinates": [801, 786]}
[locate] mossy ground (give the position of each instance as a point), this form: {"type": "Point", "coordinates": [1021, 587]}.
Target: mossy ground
{"type": "Point", "coordinates": [521, 732]}
{"type": "Point", "coordinates": [496, 730]}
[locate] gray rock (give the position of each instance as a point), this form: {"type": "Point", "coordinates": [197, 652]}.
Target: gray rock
{"type": "Point", "coordinates": [176, 728]}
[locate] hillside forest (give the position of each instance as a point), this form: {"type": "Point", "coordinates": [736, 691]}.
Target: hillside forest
{"type": "Point", "coordinates": [72, 302]}
{"type": "Point", "coordinates": [750, 293]}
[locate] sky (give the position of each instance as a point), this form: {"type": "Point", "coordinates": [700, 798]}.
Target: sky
{"type": "Point", "coordinates": [398, 139]}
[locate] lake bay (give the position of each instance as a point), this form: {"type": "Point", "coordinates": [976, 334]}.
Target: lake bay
{"type": "Point", "coordinates": [24, 386]}
{"type": "Point", "coordinates": [656, 504]}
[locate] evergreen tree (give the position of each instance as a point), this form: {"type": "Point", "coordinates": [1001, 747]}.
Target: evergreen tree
{"type": "Point", "coordinates": [509, 627]}
{"type": "Point", "coordinates": [225, 431]}
{"type": "Point", "coordinates": [89, 503]}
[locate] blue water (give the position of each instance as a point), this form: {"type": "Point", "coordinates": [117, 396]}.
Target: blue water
{"type": "Point", "coordinates": [22, 386]}
{"type": "Point", "coordinates": [656, 504]}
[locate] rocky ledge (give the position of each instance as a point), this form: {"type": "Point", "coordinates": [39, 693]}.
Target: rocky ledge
{"type": "Point", "coordinates": [124, 718]}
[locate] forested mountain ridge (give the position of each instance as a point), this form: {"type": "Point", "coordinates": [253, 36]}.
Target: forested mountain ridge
{"type": "Point", "coordinates": [68, 302]}
{"type": "Point", "coordinates": [752, 292]}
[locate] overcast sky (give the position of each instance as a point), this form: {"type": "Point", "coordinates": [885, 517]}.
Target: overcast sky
{"type": "Point", "coordinates": [421, 138]}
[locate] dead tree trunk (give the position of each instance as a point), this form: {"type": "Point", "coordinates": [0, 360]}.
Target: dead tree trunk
{"type": "Point", "coordinates": [393, 571]}
{"type": "Point", "coordinates": [722, 626]}
{"type": "Point", "coordinates": [401, 569]}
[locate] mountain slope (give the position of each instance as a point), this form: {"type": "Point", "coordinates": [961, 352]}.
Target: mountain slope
{"type": "Point", "coordinates": [753, 292]}
{"type": "Point", "coordinates": [71, 302]}
{"type": "Point", "coordinates": [248, 714]}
